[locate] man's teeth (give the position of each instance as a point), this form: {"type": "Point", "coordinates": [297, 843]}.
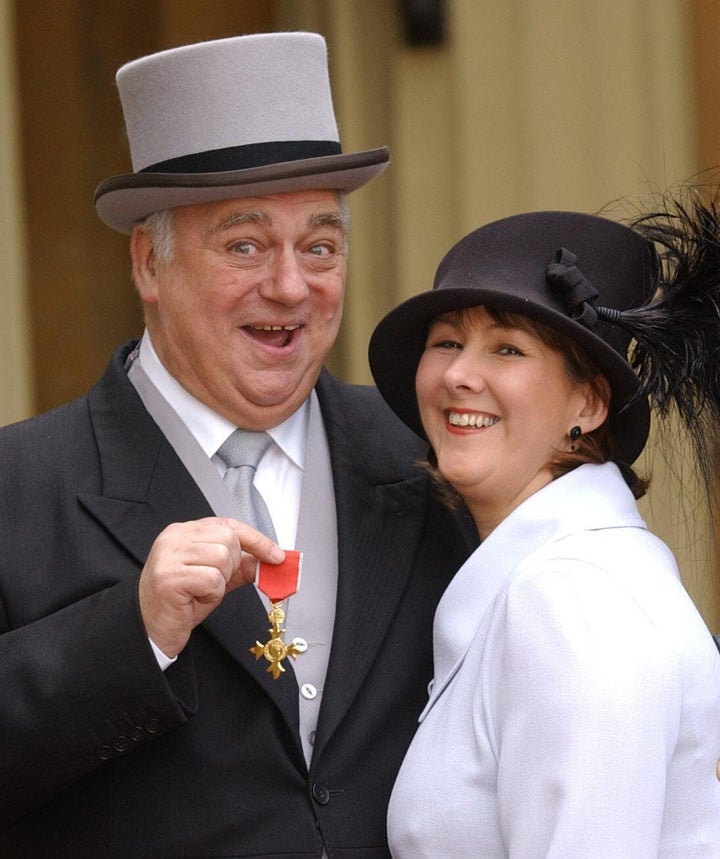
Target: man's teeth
{"type": "Point", "coordinates": [464, 419]}
{"type": "Point", "coordinates": [275, 327]}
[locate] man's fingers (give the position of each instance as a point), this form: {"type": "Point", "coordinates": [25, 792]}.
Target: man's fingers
{"type": "Point", "coordinates": [255, 542]}
{"type": "Point", "coordinates": [244, 573]}
{"type": "Point", "coordinates": [190, 568]}
{"type": "Point", "coordinates": [205, 585]}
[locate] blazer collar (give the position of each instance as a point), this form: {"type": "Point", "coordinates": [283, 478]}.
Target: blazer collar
{"type": "Point", "coordinates": [144, 485]}
{"type": "Point", "coordinates": [592, 497]}
{"type": "Point", "coordinates": [372, 489]}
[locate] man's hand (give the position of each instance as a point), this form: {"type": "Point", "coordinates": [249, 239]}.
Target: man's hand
{"type": "Point", "coordinates": [190, 568]}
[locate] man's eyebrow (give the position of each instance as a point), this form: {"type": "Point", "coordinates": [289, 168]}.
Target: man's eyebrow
{"type": "Point", "coordinates": [337, 220]}
{"type": "Point", "coordinates": [330, 219]}
{"type": "Point", "coordinates": [235, 218]}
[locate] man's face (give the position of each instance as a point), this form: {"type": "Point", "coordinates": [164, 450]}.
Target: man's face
{"type": "Point", "coordinates": [251, 302]}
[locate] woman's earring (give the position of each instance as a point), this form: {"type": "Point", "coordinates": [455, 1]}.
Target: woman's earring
{"type": "Point", "coordinates": [574, 434]}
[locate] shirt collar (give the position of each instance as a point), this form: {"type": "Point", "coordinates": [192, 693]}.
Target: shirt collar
{"type": "Point", "coordinates": [209, 428]}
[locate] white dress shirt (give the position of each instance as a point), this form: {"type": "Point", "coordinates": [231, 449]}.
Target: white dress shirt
{"type": "Point", "coordinates": [279, 473]}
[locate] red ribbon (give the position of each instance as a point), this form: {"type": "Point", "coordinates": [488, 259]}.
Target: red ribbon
{"type": "Point", "coordinates": [280, 581]}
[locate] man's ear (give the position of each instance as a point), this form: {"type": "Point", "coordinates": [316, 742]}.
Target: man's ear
{"type": "Point", "coordinates": [142, 254]}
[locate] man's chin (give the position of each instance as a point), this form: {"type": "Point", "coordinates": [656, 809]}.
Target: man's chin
{"type": "Point", "coordinates": [265, 408]}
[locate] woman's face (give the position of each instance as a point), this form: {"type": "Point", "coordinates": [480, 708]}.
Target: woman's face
{"type": "Point", "coordinates": [497, 404]}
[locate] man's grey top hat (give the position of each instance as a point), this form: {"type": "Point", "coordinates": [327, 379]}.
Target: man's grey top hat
{"type": "Point", "coordinates": [553, 267]}
{"type": "Point", "coordinates": [238, 117]}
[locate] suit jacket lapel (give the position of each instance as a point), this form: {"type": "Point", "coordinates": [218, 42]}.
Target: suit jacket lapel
{"type": "Point", "coordinates": [144, 485]}
{"type": "Point", "coordinates": [370, 492]}
{"type": "Point", "coordinates": [145, 488]}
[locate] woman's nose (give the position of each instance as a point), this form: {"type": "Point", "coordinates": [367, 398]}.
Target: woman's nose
{"type": "Point", "coordinates": [465, 373]}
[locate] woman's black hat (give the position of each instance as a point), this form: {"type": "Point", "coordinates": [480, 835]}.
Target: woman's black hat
{"type": "Point", "coordinates": [559, 268]}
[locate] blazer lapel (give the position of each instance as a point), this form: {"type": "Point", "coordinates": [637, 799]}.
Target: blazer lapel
{"type": "Point", "coordinates": [145, 488]}
{"type": "Point", "coordinates": [144, 485]}
{"type": "Point", "coordinates": [369, 495]}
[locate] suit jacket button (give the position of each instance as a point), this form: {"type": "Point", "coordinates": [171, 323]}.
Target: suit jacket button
{"type": "Point", "coordinates": [121, 744]}
{"type": "Point", "coordinates": [321, 793]}
{"type": "Point", "coordinates": [105, 753]}
{"type": "Point", "coordinates": [152, 726]}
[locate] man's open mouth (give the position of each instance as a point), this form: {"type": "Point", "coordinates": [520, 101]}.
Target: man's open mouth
{"type": "Point", "coordinates": [279, 336]}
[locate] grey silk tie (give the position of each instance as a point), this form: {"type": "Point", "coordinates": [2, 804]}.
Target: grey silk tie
{"type": "Point", "coordinates": [241, 453]}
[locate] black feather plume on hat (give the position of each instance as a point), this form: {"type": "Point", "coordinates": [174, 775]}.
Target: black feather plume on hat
{"type": "Point", "coordinates": [676, 333]}
{"type": "Point", "coordinates": [677, 336]}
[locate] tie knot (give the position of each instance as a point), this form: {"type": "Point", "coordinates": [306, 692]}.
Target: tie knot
{"type": "Point", "coordinates": [244, 447]}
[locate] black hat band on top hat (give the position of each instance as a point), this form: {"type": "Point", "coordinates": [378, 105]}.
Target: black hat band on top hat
{"type": "Point", "coordinates": [243, 157]}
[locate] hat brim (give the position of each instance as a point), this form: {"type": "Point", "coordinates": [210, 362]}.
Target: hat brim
{"type": "Point", "coordinates": [399, 340]}
{"type": "Point", "coordinates": [123, 201]}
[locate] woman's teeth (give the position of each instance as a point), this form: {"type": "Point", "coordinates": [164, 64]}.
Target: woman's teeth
{"type": "Point", "coordinates": [464, 419]}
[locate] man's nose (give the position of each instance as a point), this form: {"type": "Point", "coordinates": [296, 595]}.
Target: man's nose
{"type": "Point", "coordinates": [286, 282]}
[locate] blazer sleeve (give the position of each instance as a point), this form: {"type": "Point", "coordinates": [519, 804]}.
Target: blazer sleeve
{"type": "Point", "coordinates": [586, 707]}
{"type": "Point", "coordinates": [80, 687]}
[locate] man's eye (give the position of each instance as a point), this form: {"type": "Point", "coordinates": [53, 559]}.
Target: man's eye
{"type": "Point", "coordinates": [320, 250]}
{"type": "Point", "coordinates": [244, 248]}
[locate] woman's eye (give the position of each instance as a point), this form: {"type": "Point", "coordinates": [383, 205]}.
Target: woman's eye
{"type": "Point", "coordinates": [444, 344]}
{"type": "Point", "coordinates": [509, 350]}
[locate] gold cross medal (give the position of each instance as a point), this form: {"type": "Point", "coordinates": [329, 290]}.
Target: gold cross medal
{"type": "Point", "coordinates": [278, 582]}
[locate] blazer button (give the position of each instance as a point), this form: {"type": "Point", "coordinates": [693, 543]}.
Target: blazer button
{"type": "Point", "coordinates": [152, 726]}
{"type": "Point", "coordinates": [121, 744]}
{"type": "Point", "coordinates": [321, 793]}
{"type": "Point", "coordinates": [105, 753]}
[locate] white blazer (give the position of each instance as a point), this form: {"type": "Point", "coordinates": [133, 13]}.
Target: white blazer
{"type": "Point", "coordinates": [575, 710]}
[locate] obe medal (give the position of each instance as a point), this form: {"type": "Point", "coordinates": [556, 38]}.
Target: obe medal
{"type": "Point", "coordinates": [278, 582]}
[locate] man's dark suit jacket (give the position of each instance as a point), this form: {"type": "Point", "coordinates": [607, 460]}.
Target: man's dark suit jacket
{"type": "Point", "coordinates": [101, 754]}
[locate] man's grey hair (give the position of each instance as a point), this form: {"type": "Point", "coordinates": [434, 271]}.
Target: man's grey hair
{"type": "Point", "coordinates": [159, 229]}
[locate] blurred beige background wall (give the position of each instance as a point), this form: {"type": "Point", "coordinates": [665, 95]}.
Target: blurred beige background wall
{"type": "Point", "coordinates": [521, 104]}
{"type": "Point", "coordinates": [15, 378]}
